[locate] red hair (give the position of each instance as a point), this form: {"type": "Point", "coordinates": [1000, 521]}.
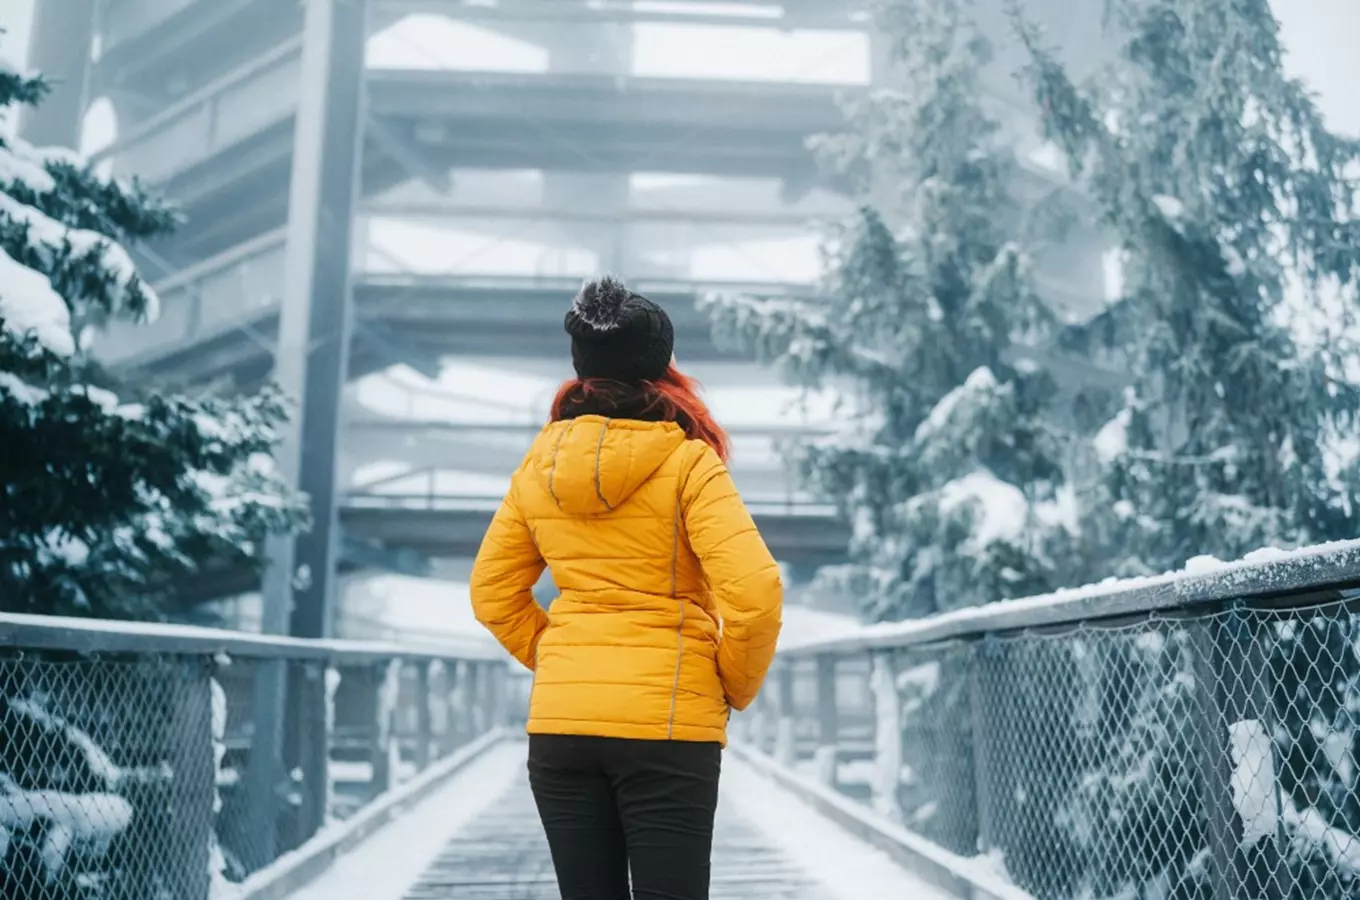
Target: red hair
{"type": "Point", "coordinates": [674, 397]}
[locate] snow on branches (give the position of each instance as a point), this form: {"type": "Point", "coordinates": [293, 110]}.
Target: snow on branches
{"type": "Point", "coordinates": [108, 498]}
{"type": "Point", "coordinates": [948, 471]}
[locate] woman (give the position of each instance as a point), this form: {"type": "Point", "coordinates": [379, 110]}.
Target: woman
{"type": "Point", "coordinates": [667, 617]}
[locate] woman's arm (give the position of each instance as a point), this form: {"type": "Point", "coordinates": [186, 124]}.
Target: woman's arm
{"type": "Point", "coordinates": [741, 572]}
{"type": "Point", "coordinates": [508, 566]}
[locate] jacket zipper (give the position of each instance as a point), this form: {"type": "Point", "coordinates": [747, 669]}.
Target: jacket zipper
{"type": "Point", "coordinates": [680, 630]}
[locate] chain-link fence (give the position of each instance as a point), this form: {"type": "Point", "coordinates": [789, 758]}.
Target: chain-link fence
{"type": "Point", "coordinates": [152, 767]}
{"type": "Point", "coordinates": [1206, 752]}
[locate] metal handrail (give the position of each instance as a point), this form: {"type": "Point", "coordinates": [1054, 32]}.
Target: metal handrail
{"type": "Point", "coordinates": [532, 426]}
{"type": "Point", "coordinates": [569, 284]}
{"type": "Point", "coordinates": [223, 261]}
{"type": "Point", "coordinates": [445, 212]}
{"type": "Point", "coordinates": [276, 237]}
{"type": "Point", "coordinates": [761, 505]}
{"type": "Point", "coordinates": [29, 632]}
{"type": "Point", "coordinates": [778, 15]}
{"type": "Point", "coordinates": [1290, 581]}
{"type": "Point", "coordinates": [155, 125]}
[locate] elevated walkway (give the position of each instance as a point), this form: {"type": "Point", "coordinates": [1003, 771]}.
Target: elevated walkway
{"type": "Point", "coordinates": [221, 318]}
{"type": "Point", "coordinates": [230, 173]}
{"type": "Point", "coordinates": [451, 526]}
{"type": "Point", "coordinates": [478, 838]}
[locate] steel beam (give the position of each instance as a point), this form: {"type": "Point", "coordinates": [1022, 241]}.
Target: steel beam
{"type": "Point", "coordinates": [811, 537]}
{"type": "Point", "coordinates": [582, 213]}
{"type": "Point", "coordinates": [409, 155]}
{"type": "Point", "coordinates": [208, 36]}
{"type": "Point", "coordinates": [315, 320]}
{"type": "Point", "coordinates": [59, 46]}
{"type": "Point", "coordinates": [824, 16]}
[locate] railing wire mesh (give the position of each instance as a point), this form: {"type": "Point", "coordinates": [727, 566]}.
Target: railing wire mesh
{"type": "Point", "coordinates": [1205, 756]}
{"type": "Point", "coordinates": [136, 776]}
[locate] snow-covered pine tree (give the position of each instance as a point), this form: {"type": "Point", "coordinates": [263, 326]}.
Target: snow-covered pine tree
{"type": "Point", "coordinates": [106, 499]}
{"type": "Point", "coordinates": [1237, 212]}
{"type": "Point", "coordinates": [946, 468]}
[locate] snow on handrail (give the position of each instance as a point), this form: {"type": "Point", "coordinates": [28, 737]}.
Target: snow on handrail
{"type": "Point", "coordinates": [1204, 582]}
{"type": "Point", "coordinates": [29, 632]}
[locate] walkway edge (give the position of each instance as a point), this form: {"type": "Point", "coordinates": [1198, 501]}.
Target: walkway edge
{"type": "Point", "coordinates": [298, 868]}
{"type": "Point", "coordinates": [930, 862]}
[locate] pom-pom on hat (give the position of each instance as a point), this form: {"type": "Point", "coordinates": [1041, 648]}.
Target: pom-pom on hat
{"type": "Point", "coordinates": [617, 334]}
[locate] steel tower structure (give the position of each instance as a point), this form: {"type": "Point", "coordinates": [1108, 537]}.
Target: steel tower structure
{"type": "Point", "coordinates": [262, 119]}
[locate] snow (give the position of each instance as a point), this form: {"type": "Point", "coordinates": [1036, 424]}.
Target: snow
{"type": "Point", "coordinates": [802, 624]}
{"type": "Point", "coordinates": [1000, 508]}
{"type": "Point", "coordinates": [18, 164]}
{"type": "Point", "coordinates": [71, 550]}
{"type": "Point", "coordinates": [1343, 848]}
{"type": "Point", "coordinates": [29, 305]}
{"type": "Point", "coordinates": [1257, 572]}
{"type": "Point", "coordinates": [1063, 511]}
{"type": "Point", "coordinates": [1169, 207]}
{"type": "Point", "coordinates": [918, 684]}
{"type": "Point", "coordinates": [115, 260]}
{"type": "Point", "coordinates": [1253, 780]}
{"type": "Point", "coordinates": [414, 610]}
{"type": "Point", "coordinates": [981, 379]}
{"type": "Point", "coordinates": [887, 740]}
{"type": "Point", "coordinates": [97, 760]}
{"type": "Point", "coordinates": [105, 400]}
{"type": "Point", "coordinates": [93, 819]}
{"type": "Point", "coordinates": [1112, 441]}
{"type": "Point", "coordinates": [850, 867]}
{"type": "Point", "coordinates": [392, 860]}
{"type": "Point", "coordinates": [20, 390]}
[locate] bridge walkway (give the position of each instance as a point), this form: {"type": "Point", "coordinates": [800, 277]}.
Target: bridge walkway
{"type": "Point", "coordinates": [477, 837]}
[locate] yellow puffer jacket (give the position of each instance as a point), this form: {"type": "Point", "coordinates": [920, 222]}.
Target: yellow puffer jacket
{"type": "Point", "coordinates": [669, 601]}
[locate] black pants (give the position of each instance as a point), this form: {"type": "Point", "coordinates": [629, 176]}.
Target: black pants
{"type": "Point", "coordinates": [610, 806]}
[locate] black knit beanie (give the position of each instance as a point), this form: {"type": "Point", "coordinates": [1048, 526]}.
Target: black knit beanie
{"type": "Point", "coordinates": [617, 334]}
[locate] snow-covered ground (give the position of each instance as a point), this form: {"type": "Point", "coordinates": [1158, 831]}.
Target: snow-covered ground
{"type": "Point", "coordinates": [385, 866]}
{"type": "Point", "coordinates": [849, 868]}
{"type": "Point", "coordinates": [391, 862]}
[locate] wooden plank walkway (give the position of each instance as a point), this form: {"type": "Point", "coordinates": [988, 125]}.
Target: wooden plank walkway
{"type": "Point", "coordinates": [503, 856]}
{"type": "Point", "coordinates": [478, 838]}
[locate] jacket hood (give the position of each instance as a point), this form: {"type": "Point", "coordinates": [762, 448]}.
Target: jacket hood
{"type": "Point", "coordinates": [590, 465]}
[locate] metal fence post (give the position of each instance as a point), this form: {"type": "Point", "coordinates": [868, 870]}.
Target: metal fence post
{"type": "Point", "coordinates": [311, 747]}
{"type": "Point", "coordinates": [453, 684]}
{"type": "Point", "coordinates": [758, 731]}
{"type": "Point", "coordinates": [499, 695]}
{"type": "Point", "coordinates": [264, 764]}
{"type": "Point", "coordinates": [387, 681]}
{"type": "Point", "coordinates": [191, 825]}
{"type": "Point", "coordinates": [472, 690]}
{"type": "Point", "coordinates": [1233, 715]}
{"type": "Point", "coordinates": [887, 735]}
{"type": "Point", "coordinates": [424, 714]}
{"type": "Point", "coordinates": [785, 740]}
{"type": "Point", "coordinates": [827, 719]}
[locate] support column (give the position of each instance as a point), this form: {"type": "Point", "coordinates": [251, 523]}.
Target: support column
{"type": "Point", "coordinates": [60, 46]}
{"type": "Point", "coordinates": [316, 317]}
{"type": "Point", "coordinates": [605, 49]}
{"type": "Point", "coordinates": [310, 365]}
